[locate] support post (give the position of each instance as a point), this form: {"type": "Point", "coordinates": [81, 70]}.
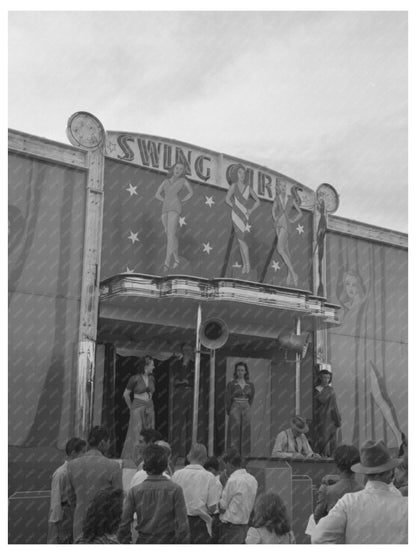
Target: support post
{"type": "Point", "coordinates": [211, 415]}
{"type": "Point", "coordinates": [197, 375]}
{"type": "Point", "coordinates": [298, 360]}
{"type": "Point", "coordinates": [85, 131]}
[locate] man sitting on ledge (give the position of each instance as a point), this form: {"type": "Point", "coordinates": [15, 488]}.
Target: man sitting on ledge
{"type": "Point", "coordinates": [292, 443]}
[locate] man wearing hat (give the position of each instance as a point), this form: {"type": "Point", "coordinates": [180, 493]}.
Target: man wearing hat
{"type": "Point", "coordinates": [293, 443]}
{"type": "Point", "coordinates": [375, 515]}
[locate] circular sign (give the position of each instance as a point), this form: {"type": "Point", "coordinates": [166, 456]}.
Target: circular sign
{"type": "Point", "coordinates": [85, 130]}
{"type": "Point", "coordinates": [330, 197]}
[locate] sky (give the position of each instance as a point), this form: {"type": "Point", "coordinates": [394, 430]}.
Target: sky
{"type": "Point", "coordinates": [319, 96]}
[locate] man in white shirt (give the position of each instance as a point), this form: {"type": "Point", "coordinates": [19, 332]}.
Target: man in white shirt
{"type": "Point", "coordinates": [375, 515]}
{"type": "Point", "coordinates": [237, 500]}
{"type": "Point", "coordinates": [293, 443]}
{"type": "Point", "coordinates": [201, 494]}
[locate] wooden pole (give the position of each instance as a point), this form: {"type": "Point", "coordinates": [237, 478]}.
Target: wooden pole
{"type": "Point", "coordinates": [298, 359]}
{"type": "Point", "coordinates": [85, 131]}
{"type": "Point", "coordinates": [211, 403]}
{"type": "Point", "coordinates": [197, 375]}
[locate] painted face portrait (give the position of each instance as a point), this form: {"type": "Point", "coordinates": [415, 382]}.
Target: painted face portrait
{"type": "Point", "coordinates": [351, 287]}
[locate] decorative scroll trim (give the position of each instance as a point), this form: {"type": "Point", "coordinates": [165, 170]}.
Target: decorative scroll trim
{"type": "Point", "coordinates": [141, 285]}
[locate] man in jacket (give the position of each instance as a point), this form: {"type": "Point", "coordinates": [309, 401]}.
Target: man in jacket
{"type": "Point", "coordinates": [90, 473]}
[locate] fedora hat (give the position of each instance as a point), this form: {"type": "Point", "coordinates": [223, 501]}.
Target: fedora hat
{"type": "Point", "coordinates": [374, 458]}
{"type": "Point", "coordinates": [298, 423]}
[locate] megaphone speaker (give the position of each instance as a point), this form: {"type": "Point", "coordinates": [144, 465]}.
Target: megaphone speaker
{"type": "Point", "coordinates": [214, 333]}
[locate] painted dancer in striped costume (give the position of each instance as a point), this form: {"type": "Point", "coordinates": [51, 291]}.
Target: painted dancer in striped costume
{"type": "Point", "coordinates": [238, 197]}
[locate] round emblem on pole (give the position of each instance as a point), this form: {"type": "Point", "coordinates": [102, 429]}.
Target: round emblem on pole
{"type": "Point", "coordinates": [330, 197]}
{"type": "Point", "coordinates": [85, 130]}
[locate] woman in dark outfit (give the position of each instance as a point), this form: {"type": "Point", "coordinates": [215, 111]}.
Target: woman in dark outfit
{"type": "Point", "coordinates": [327, 418]}
{"type": "Point", "coordinates": [238, 400]}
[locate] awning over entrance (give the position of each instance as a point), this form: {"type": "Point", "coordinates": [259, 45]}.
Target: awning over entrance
{"type": "Point", "coordinates": [169, 304]}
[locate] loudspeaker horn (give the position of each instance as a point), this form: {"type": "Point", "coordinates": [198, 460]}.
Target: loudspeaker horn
{"type": "Point", "coordinates": [291, 342]}
{"type": "Point", "coordinates": [214, 333]}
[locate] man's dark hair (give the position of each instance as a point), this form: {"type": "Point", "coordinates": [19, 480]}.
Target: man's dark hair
{"type": "Point", "coordinates": [97, 434]}
{"type": "Point", "coordinates": [75, 444]}
{"type": "Point", "coordinates": [345, 456]}
{"type": "Point", "coordinates": [233, 457]}
{"type": "Point", "coordinates": [103, 514]}
{"type": "Point", "coordinates": [212, 462]}
{"type": "Point", "coordinates": [155, 459]}
{"type": "Point", "coordinates": [150, 435]}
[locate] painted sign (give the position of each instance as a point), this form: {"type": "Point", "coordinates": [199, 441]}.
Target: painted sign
{"type": "Point", "coordinates": [200, 165]}
{"type": "Point", "coordinates": [162, 224]}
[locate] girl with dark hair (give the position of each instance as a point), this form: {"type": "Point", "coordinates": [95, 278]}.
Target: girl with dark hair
{"type": "Point", "coordinates": [103, 517]}
{"type": "Point", "coordinates": [239, 397]}
{"type": "Point", "coordinates": [270, 521]}
{"type": "Point", "coordinates": [142, 414]}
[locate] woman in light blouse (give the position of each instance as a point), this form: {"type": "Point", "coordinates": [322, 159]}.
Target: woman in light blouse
{"type": "Point", "coordinates": [239, 397]}
{"type": "Point", "coordinates": [142, 414]}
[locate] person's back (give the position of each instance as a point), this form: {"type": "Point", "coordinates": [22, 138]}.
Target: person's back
{"type": "Point", "coordinates": [158, 503]}
{"type": "Point", "coordinates": [377, 514]}
{"type": "Point", "coordinates": [334, 492]}
{"type": "Point", "coordinates": [201, 494]}
{"type": "Point", "coordinates": [263, 536]}
{"type": "Point", "coordinates": [90, 473]}
{"type": "Point", "coordinates": [270, 521]}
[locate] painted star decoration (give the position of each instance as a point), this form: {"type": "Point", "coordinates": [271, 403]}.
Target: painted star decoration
{"type": "Point", "coordinates": [247, 228]}
{"type": "Point", "coordinates": [128, 271]}
{"type": "Point", "coordinates": [210, 201]}
{"type": "Point", "coordinates": [300, 229]}
{"type": "Point", "coordinates": [275, 265]}
{"type": "Point", "coordinates": [237, 265]}
{"type": "Point", "coordinates": [111, 147]}
{"type": "Point", "coordinates": [207, 248]}
{"type": "Point", "coordinates": [182, 221]}
{"type": "Point", "coordinates": [132, 190]}
{"type": "Point", "coordinates": [133, 237]}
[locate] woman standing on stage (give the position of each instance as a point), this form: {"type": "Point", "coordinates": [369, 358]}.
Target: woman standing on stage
{"type": "Point", "coordinates": [327, 418]}
{"type": "Point", "coordinates": [172, 208]}
{"type": "Point", "coordinates": [142, 414]}
{"type": "Point", "coordinates": [238, 197]}
{"type": "Point", "coordinates": [239, 397]}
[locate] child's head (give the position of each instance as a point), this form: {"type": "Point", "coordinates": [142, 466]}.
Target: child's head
{"type": "Point", "coordinates": [270, 512]}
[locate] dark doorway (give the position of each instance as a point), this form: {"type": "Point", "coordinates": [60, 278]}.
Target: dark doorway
{"type": "Point", "coordinates": [161, 397]}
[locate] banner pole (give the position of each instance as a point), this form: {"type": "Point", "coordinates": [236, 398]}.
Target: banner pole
{"type": "Point", "coordinates": [197, 375]}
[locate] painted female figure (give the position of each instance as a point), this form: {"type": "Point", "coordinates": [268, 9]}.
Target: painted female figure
{"type": "Point", "coordinates": [283, 204]}
{"type": "Point", "coordinates": [327, 418]}
{"type": "Point", "coordinates": [142, 415]}
{"type": "Point", "coordinates": [168, 193]}
{"type": "Point", "coordinates": [239, 397]}
{"type": "Point", "coordinates": [238, 198]}
{"type": "Point", "coordinates": [352, 293]}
